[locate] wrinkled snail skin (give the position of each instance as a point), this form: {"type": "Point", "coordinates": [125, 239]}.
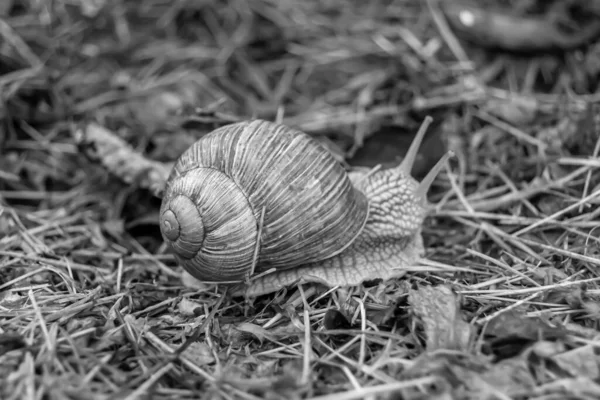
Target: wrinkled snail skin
{"type": "Point", "coordinates": [390, 240]}
{"type": "Point", "coordinates": [314, 222]}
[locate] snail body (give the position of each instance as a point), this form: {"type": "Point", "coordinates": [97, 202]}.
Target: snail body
{"type": "Point", "coordinates": [257, 198]}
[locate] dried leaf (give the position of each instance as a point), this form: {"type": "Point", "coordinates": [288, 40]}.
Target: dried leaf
{"type": "Point", "coordinates": [11, 300]}
{"type": "Point", "coordinates": [7, 226]}
{"type": "Point", "coordinates": [239, 333]}
{"type": "Point", "coordinates": [140, 325]}
{"type": "Point", "coordinates": [510, 110]}
{"type": "Point", "coordinates": [510, 377]}
{"type": "Point", "coordinates": [486, 138]}
{"type": "Point", "coordinates": [592, 309]}
{"type": "Point", "coordinates": [199, 353]}
{"type": "Point", "coordinates": [464, 376]}
{"type": "Point", "coordinates": [190, 308]}
{"type": "Point", "coordinates": [582, 361]}
{"type": "Point", "coordinates": [122, 160]}
{"type": "Point", "coordinates": [573, 296]}
{"type": "Point", "coordinates": [469, 378]}
{"type": "Point", "coordinates": [257, 331]}
{"type": "Point", "coordinates": [159, 109]}
{"type": "Point", "coordinates": [510, 333]}
{"type": "Point", "coordinates": [438, 308]}
{"type": "Point", "coordinates": [549, 275]}
{"type": "Point", "coordinates": [234, 336]}
{"type": "Point", "coordinates": [555, 136]}
{"type": "Point", "coordinates": [11, 341]}
{"type": "Point", "coordinates": [334, 319]}
{"type": "Point", "coordinates": [576, 388]}
{"type": "Point", "coordinates": [513, 324]}
{"type": "Point", "coordinates": [442, 367]}
{"type": "Point", "coordinates": [587, 134]}
{"type": "Point", "coordinates": [285, 331]}
{"type": "Point", "coordinates": [547, 349]}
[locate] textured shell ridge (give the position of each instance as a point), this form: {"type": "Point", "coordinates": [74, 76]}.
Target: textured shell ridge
{"type": "Point", "coordinates": [229, 226]}
{"type": "Point", "coordinates": [310, 167]}
{"type": "Point", "coordinates": [313, 211]}
{"type": "Point", "coordinates": [312, 177]}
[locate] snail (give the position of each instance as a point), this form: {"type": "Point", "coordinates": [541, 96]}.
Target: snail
{"type": "Point", "coordinates": [264, 205]}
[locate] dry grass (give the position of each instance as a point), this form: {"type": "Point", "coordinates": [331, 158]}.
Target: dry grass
{"type": "Point", "coordinates": [91, 307]}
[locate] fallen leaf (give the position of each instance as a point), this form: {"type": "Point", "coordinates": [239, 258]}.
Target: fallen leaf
{"type": "Point", "coordinates": [443, 367]}
{"type": "Point", "coordinates": [438, 309]}
{"type": "Point", "coordinates": [554, 136]}
{"type": "Point", "coordinates": [572, 296]}
{"type": "Point", "coordinates": [586, 134]}
{"type": "Point", "coordinates": [582, 361]}
{"type": "Point", "coordinates": [190, 308]}
{"type": "Point", "coordinates": [257, 331]}
{"type": "Point", "coordinates": [199, 353]}
{"type": "Point", "coordinates": [140, 325]}
{"type": "Point", "coordinates": [11, 300]}
{"type": "Point", "coordinates": [511, 332]}
{"type": "Point", "coordinates": [510, 376]}
{"type": "Point", "coordinates": [592, 309]}
{"type": "Point", "coordinates": [11, 341]}
{"type": "Point", "coordinates": [102, 145]}
{"type": "Point", "coordinates": [7, 226]}
{"type": "Point", "coordinates": [518, 111]}
{"type": "Point", "coordinates": [514, 324]}
{"type": "Point", "coordinates": [549, 275]}
{"type": "Point", "coordinates": [334, 319]}
{"type": "Point", "coordinates": [576, 388]}
{"type": "Point", "coordinates": [237, 334]}
{"type": "Point", "coordinates": [547, 349]}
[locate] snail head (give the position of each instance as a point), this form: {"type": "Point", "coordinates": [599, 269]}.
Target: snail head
{"type": "Point", "coordinates": [399, 202]}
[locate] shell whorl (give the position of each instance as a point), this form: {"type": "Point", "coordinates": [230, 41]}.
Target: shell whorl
{"type": "Point", "coordinates": [182, 226]}
{"type": "Point", "coordinates": [209, 207]}
{"type": "Point", "coordinates": [226, 179]}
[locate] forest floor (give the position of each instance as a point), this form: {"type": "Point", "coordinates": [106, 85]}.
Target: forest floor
{"type": "Point", "coordinates": [505, 304]}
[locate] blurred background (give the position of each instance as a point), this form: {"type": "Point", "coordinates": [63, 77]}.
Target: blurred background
{"type": "Point", "coordinates": [510, 84]}
{"type": "Point", "coordinates": [512, 87]}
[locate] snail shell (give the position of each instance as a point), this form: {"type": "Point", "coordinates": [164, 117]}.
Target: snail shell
{"type": "Point", "coordinates": [255, 196]}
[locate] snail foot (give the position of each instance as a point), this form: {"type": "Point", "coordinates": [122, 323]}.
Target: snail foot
{"type": "Point", "coordinates": [331, 275]}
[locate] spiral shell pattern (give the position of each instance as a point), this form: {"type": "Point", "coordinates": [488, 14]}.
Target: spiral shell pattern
{"type": "Point", "coordinates": [220, 187]}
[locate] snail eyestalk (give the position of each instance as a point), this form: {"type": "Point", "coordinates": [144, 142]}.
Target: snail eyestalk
{"type": "Point", "coordinates": [426, 183]}
{"type": "Point", "coordinates": [407, 164]}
